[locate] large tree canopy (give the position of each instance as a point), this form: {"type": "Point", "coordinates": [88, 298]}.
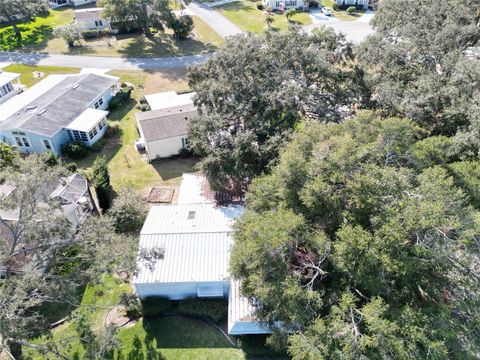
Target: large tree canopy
{"type": "Point", "coordinates": [254, 90]}
{"type": "Point", "coordinates": [419, 66]}
{"type": "Point", "coordinates": [364, 243]}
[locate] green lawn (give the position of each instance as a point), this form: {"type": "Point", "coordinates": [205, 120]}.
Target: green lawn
{"type": "Point", "coordinates": [36, 33]}
{"type": "Point", "coordinates": [246, 15]}
{"type": "Point", "coordinates": [126, 165]}
{"type": "Point", "coordinates": [164, 44]}
{"type": "Point", "coordinates": [342, 14]}
{"type": "Point", "coordinates": [27, 71]}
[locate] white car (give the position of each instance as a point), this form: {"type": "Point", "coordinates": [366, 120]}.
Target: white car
{"type": "Point", "coordinates": [326, 11]}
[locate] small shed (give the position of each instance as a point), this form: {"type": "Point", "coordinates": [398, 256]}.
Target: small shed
{"type": "Point", "coordinates": [164, 131]}
{"type": "Point", "coordinates": [91, 19]}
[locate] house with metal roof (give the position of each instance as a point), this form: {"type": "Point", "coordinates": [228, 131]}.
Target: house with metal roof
{"type": "Point", "coordinates": [57, 3]}
{"type": "Point", "coordinates": [58, 110]}
{"type": "Point", "coordinates": [163, 132]}
{"type": "Point", "coordinates": [196, 240]}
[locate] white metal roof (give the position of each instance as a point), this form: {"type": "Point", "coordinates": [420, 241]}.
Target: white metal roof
{"type": "Point", "coordinates": [192, 190]}
{"type": "Point", "coordinates": [168, 99]}
{"type": "Point", "coordinates": [189, 218]}
{"type": "Point", "coordinates": [87, 120]}
{"type": "Point", "coordinates": [189, 257]}
{"type": "Point", "coordinates": [242, 310]}
{"type": "Point", "coordinates": [6, 77]}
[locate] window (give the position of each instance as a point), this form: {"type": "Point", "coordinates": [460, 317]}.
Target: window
{"type": "Point", "coordinates": [47, 144]}
{"type": "Point", "coordinates": [92, 133]}
{"type": "Point", "coordinates": [98, 23]}
{"type": "Point", "coordinates": [19, 141]}
{"type": "Point", "coordinates": [26, 142]}
{"type": "Point", "coordinates": [98, 103]}
{"type": "Point", "coordinates": [184, 142]}
{"type": "Point", "coordinates": [79, 135]}
{"type": "Point", "coordinates": [70, 136]}
{"type": "Point", "coordinates": [102, 124]}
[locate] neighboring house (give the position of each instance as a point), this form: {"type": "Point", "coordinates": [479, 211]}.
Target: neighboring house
{"type": "Point", "coordinates": [58, 110]}
{"type": "Point", "coordinates": [285, 4]}
{"type": "Point", "coordinates": [196, 239]}
{"type": "Point", "coordinates": [74, 199]}
{"type": "Point", "coordinates": [163, 130]}
{"type": "Point", "coordinates": [9, 85]}
{"type": "Point", "coordinates": [57, 3]}
{"type": "Point", "coordinates": [91, 19]}
{"type": "Point", "coordinates": [358, 3]}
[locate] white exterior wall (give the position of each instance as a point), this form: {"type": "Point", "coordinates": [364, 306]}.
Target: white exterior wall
{"type": "Point", "coordinates": [164, 148]}
{"type": "Point", "coordinates": [175, 291]}
{"type": "Point", "coordinates": [288, 4]}
{"type": "Point", "coordinates": [363, 3]}
{"type": "Point", "coordinates": [91, 25]}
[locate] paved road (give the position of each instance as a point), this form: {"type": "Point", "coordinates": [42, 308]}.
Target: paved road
{"type": "Point", "coordinates": [214, 19]}
{"type": "Point", "coordinates": [355, 31]}
{"type": "Point", "coordinates": [98, 62]}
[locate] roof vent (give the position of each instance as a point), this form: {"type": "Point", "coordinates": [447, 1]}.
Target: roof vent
{"type": "Point", "coordinates": [41, 112]}
{"type": "Point", "coordinates": [191, 215]}
{"type": "Point", "coordinates": [31, 107]}
{"type": "Point", "coordinates": [75, 86]}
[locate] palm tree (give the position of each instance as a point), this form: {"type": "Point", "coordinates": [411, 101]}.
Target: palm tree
{"type": "Point", "coordinates": [269, 20]}
{"type": "Point", "coordinates": [290, 13]}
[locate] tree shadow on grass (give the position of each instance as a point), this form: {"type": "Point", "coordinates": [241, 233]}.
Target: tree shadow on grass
{"type": "Point", "coordinates": [254, 347]}
{"type": "Point", "coordinates": [237, 5]}
{"type": "Point", "coordinates": [174, 167]}
{"type": "Point", "coordinates": [176, 332]}
{"type": "Point", "coordinates": [32, 39]}
{"type": "Point", "coordinates": [163, 45]}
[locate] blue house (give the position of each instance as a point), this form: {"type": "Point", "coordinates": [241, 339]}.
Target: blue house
{"type": "Point", "coordinates": [56, 111]}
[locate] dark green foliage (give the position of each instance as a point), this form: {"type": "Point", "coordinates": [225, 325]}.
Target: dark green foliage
{"type": "Point", "coordinates": [72, 167]}
{"type": "Point", "coordinates": [75, 150]}
{"type": "Point", "coordinates": [155, 305]}
{"type": "Point", "coordinates": [93, 34]}
{"type": "Point", "coordinates": [214, 309]}
{"type": "Point", "coordinates": [244, 93]}
{"type": "Point", "coordinates": [364, 238]}
{"type": "Point", "coordinates": [128, 211]}
{"type": "Point", "coordinates": [12, 12]}
{"type": "Point", "coordinates": [132, 305]}
{"type": "Point", "coordinates": [7, 155]}
{"type": "Point", "coordinates": [420, 67]}
{"type": "Point", "coordinates": [260, 6]}
{"type": "Point", "coordinates": [120, 98]}
{"type": "Point", "coordinates": [182, 26]}
{"type": "Point", "coordinates": [100, 179]}
{"type": "Point", "coordinates": [50, 158]}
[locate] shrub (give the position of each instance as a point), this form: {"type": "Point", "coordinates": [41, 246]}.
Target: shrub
{"type": "Point", "coordinates": [313, 3]}
{"type": "Point", "coordinates": [132, 306]}
{"type": "Point", "coordinates": [128, 211]}
{"type": "Point", "coordinates": [181, 26]}
{"type": "Point", "coordinates": [100, 179]}
{"type": "Point", "coordinates": [155, 305]}
{"type": "Point", "coordinates": [72, 167]}
{"type": "Point", "coordinates": [351, 10]}
{"type": "Point", "coordinates": [185, 152]}
{"type": "Point", "coordinates": [7, 155]}
{"type": "Point", "coordinates": [75, 150]}
{"type": "Point", "coordinates": [50, 158]}
{"type": "Point", "coordinates": [71, 33]}
{"type": "Point", "coordinates": [260, 6]}
{"type": "Point", "coordinates": [215, 309]}
{"type": "Point", "coordinates": [120, 98]}
{"type": "Point", "coordinates": [97, 147]}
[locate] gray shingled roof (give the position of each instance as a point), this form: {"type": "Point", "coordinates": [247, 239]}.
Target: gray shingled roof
{"type": "Point", "coordinates": [165, 123]}
{"type": "Point", "coordinates": [89, 14]}
{"type": "Point", "coordinates": [59, 106]}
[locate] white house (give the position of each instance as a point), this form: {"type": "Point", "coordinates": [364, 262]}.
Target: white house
{"type": "Point", "coordinates": [91, 19]}
{"type": "Point", "coordinates": [359, 3]}
{"type": "Point", "coordinates": [58, 110]}
{"type": "Point", "coordinates": [57, 3]}
{"type": "Point", "coordinates": [9, 85]}
{"type": "Point", "coordinates": [196, 239]}
{"type": "Point", "coordinates": [163, 130]}
{"type": "Point", "coordinates": [282, 5]}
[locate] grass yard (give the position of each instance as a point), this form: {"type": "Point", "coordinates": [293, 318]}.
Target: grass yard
{"type": "Point", "coordinates": [36, 33]}
{"type": "Point", "coordinates": [342, 14]}
{"type": "Point", "coordinates": [246, 15]}
{"type": "Point", "coordinates": [27, 71]}
{"type": "Point", "coordinates": [137, 45]}
{"type": "Point", "coordinates": [155, 338]}
{"type": "Point", "coordinates": [126, 165]}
